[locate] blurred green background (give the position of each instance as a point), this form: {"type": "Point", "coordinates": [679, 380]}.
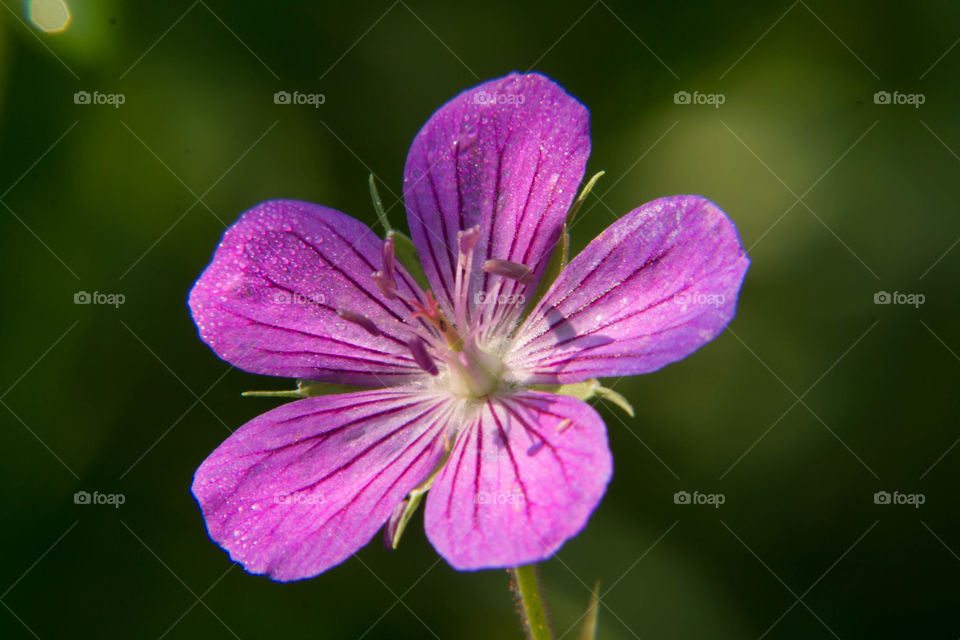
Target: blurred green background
{"type": "Point", "coordinates": [816, 399]}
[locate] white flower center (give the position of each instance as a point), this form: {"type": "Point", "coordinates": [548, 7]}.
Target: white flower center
{"type": "Point", "coordinates": [473, 372]}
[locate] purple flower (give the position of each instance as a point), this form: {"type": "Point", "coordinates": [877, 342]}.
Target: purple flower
{"type": "Point", "coordinates": [453, 376]}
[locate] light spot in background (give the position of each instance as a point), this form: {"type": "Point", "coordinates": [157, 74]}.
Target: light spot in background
{"type": "Point", "coordinates": [51, 16]}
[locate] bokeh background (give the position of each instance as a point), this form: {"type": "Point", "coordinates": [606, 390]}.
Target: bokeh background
{"type": "Point", "coordinates": [815, 399]}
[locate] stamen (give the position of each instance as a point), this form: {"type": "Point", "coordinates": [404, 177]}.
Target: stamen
{"type": "Point", "coordinates": [360, 320]}
{"type": "Point", "coordinates": [419, 351]}
{"type": "Point", "coordinates": [507, 269]}
{"type": "Point", "coordinates": [388, 258]}
{"type": "Point", "coordinates": [386, 284]}
{"type": "Point", "coordinates": [467, 240]}
{"type": "Point", "coordinates": [386, 279]}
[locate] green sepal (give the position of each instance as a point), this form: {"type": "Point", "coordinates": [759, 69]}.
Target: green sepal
{"type": "Point", "coordinates": [558, 260]}
{"type": "Point", "coordinates": [406, 254]}
{"type": "Point", "coordinates": [608, 394]}
{"type": "Point", "coordinates": [305, 389]}
{"type": "Point", "coordinates": [403, 247]}
{"type": "Point", "coordinates": [412, 502]}
{"type": "Point", "coordinates": [580, 390]}
{"type": "Point", "coordinates": [415, 497]}
{"type": "Point", "coordinates": [583, 196]}
{"type": "Point", "coordinates": [282, 393]}
{"type": "Point", "coordinates": [378, 204]}
{"type": "Point", "coordinates": [589, 389]}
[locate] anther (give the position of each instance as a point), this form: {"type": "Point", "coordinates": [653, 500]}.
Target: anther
{"type": "Point", "coordinates": [507, 269]}
{"type": "Point", "coordinates": [467, 239]}
{"type": "Point", "coordinates": [388, 257]}
{"type": "Point", "coordinates": [419, 351]}
{"type": "Point", "coordinates": [360, 320]}
{"type": "Point", "coordinates": [386, 284]}
{"type": "Point", "coordinates": [386, 279]}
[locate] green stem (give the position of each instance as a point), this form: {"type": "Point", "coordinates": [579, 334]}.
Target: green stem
{"type": "Point", "coordinates": [526, 584]}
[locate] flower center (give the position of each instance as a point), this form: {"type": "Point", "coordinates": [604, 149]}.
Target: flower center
{"type": "Point", "coordinates": [474, 372]}
{"type": "Point", "coordinates": [467, 368]}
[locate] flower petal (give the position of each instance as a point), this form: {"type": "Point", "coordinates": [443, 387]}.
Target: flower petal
{"type": "Point", "coordinates": [651, 289]}
{"type": "Point", "coordinates": [299, 489]}
{"type": "Point", "coordinates": [523, 478]}
{"type": "Point", "coordinates": [268, 301]}
{"type": "Point", "coordinates": [507, 156]}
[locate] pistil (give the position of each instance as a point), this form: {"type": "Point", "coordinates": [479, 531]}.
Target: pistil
{"type": "Point", "coordinates": [431, 313]}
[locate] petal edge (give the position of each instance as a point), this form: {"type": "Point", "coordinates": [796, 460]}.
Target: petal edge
{"type": "Point", "coordinates": [655, 286]}
{"type": "Point", "coordinates": [301, 488]}
{"type": "Point", "coordinates": [268, 301]}
{"type": "Point", "coordinates": [522, 479]}
{"type": "Point", "coordinates": [508, 156]}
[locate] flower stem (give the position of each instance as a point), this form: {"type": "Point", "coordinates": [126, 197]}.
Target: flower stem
{"type": "Point", "coordinates": [526, 585]}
